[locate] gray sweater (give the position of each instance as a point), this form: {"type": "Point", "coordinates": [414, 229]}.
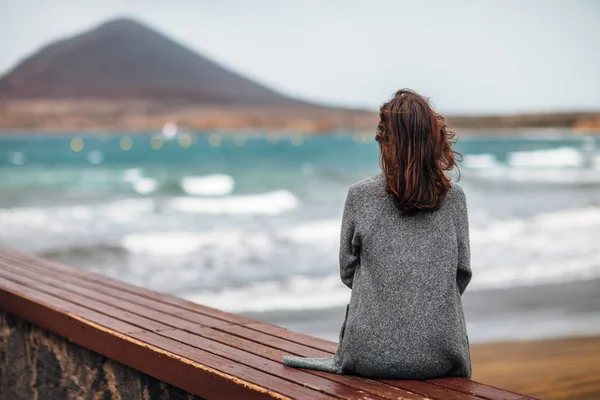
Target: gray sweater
{"type": "Point", "coordinates": [407, 274]}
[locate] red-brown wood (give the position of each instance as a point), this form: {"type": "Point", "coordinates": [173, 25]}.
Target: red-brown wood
{"type": "Point", "coordinates": [213, 339]}
{"type": "Point", "coordinates": [28, 261]}
{"type": "Point", "coordinates": [277, 369]}
{"type": "Point", "coordinates": [478, 389]}
{"type": "Point", "coordinates": [431, 390]}
{"type": "Point", "coordinates": [293, 348]}
{"type": "Point", "coordinates": [147, 359]}
{"type": "Point", "coordinates": [242, 331]}
{"type": "Point", "coordinates": [41, 282]}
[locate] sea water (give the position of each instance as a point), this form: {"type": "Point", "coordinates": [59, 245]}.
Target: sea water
{"type": "Point", "coordinates": [251, 223]}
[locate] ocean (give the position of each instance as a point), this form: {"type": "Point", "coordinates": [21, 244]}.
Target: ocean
{"type": "Point", "coordinates": [250, 224]}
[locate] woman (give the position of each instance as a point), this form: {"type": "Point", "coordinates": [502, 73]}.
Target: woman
{"type": "Point", "coordinates": [404, 252]}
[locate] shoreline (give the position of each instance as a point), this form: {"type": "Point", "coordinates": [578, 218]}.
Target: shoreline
{"type": "Point", "coordinates": [360, 136]}
{"type": "Point", "coordinates": [146, 114]}
{"type": "Point", "coordinates": [550, 369]}
{"type": "Point", "coordinates": [493, 315]}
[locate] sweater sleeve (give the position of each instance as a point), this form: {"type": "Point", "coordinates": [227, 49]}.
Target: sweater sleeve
{"type": "Point", "coordinates": [463, 274]}
{"type": "Point", "coordinates": [349, 243]}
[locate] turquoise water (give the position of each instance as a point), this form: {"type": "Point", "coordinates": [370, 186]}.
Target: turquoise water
{"type": "Point", "coordinates": [253, 224]}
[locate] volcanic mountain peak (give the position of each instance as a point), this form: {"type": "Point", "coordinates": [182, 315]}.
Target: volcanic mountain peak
{"type": "Point", "coordinates": [123, 58]}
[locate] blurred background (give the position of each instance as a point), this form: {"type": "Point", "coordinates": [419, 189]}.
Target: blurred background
{"type": "Point", "coordinates": [204, 149]}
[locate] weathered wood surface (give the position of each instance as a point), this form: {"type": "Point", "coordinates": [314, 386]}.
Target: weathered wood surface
{"type": "Point", "coordinates": [203, 351]}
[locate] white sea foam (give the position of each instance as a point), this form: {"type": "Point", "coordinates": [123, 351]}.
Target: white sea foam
{"type": "Point", "coordinates": [164, 243]}
{"type": "Point", "coordinates": [70, 217]}
{"type": "Point", "coordinates": [17, 158]}
{"type": "Point", "coordinates": [210, 185]}
{"type": "Point", "coordinates": [297, 293]}
{"type": "Point", "coordinates": [95, 157]}
{"type": "Point", "coordinates": [538, 272]}
{"type": "Point", "coordinates": [270, 203]}
{"type": "Point", "coordinates": [553, 158]}
{"type": "Point", "coordinates": [555, 176]}
{"type": "Point", "coordinates": [548, 248]}
{"type": "Point", "coordinates": [551, 247]}
{"type": "Point", "coordinates": [180, 243]}
{"type": "Point", "coordinates": [319, 232]}
{"type": "Point", "coordinates": [145, 185]}
{"type": "Point", "coordinates": [132, 174]}
{"type": "Point", "coordinates": [480, 161]}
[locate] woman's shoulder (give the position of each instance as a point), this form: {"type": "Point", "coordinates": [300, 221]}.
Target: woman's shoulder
{"type": "Point", "coordinates": [456, 196]}
{"type": "Point", "coordinates": [373, 185]}
{"type": "Point", "coordinates": [455, 191]}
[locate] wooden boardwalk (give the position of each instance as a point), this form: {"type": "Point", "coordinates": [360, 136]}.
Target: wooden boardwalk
{"type": "Point", "coordinates": [207, 352]}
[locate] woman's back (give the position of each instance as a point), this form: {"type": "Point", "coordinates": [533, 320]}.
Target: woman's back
{"type": "Point", "coordinates": [404, 252]}
{"type": "Point", "coordinates": [405, 318]}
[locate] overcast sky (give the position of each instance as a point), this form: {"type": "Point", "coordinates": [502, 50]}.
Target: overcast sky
{"type": "Point", "coordinates": [469, 56]}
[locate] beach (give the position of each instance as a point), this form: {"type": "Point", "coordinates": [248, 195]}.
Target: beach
{"type": "Point", "coordinates": [552, 369]}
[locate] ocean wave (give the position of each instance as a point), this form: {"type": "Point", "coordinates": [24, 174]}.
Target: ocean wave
{"type": "Point", "coordinates": [183, 243]}
{"type": "Point", "coordinates": [296, 293]}
{"type": "Point", "coordinates": [145, 185]}
{"type": "Point", "coordinates": [55, 218]}
{"type": "Point", "coordinates": [480, 161]}
{"type": "Point", "coordinates": [132, 174]}
{"type": "Point", "coordinates": [314, 233]}
{"type": "Point", "coordinates": [270, 203]}
{"type": "Point", "coordinates": [209, 185]}
{"type": "Point", "coordinates": [552, 247]}
{"type": "Point", "coordinates": [554, 176]}
{"type": "Point", "coordinates": [552, 158]}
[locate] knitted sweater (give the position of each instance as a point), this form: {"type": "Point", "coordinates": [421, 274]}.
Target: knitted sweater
{"type": "Point", "coordinates": [407, 274]}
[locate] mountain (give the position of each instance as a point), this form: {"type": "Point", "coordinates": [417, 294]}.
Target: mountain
{"type": "Point", "coordinates": [125, 76]}
{"type": "Point", "coordinates": [124, 59]}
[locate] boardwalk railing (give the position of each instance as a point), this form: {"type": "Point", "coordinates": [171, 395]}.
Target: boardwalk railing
{"type": "Point", "coordinates": [69, 331]}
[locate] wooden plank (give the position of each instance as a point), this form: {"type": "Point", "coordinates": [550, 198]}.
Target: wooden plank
{"type": "Point", "coordinates": [139, 322]}
{"type": "Point", "coordinates": [274, 366]}
{"type": "Point", "coordinates": [479, 389]}
{"type": "Point", "coordinates": [28, 261]}
{"type": "Point", "coordinates": [430, 390]}
{"type": "Point", "coordinates": [59, 305]}
{"type": "Point", "coordinates": [300, 338]}
{"type": "Point", "coordinates": [184, 307]}
{"type": "Point", "coordinates": [61, 286]}
{"type": "Point", "coordinates": [277, 369]}
{"type": "Point", "coordinates": [299, 377]}
{"type": "Point", "coordinates": [102, 288]}
{"type": "Point", "coordinates": [224, 365]}
{"type": "Point", "coordinates": [367, 385]}
{"type": "Point", "coordinates": [194, 318]}
{"type": "Point", "coordinates": [284, 344]}
{"type": "Point", "coordinates": [274, 341]}
{"type": "Point", "coordinates": [181, 372]}
{"type": "Point", "coordinates": [259, 332]}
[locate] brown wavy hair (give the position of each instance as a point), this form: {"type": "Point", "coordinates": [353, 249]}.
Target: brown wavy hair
{"type": "Point", "coordinates": [416, 152]}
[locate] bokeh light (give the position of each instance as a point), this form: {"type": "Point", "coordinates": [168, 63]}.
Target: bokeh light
{"type": "Point", "coordinates": [76, 145]}
{"type": "Point", "coordinates": [156, 142]}
{"type": "Point", "coordinates": [185, 140]}
{"type": "Point", "coordinates": [214, 140]}
{"type": "Point", "coordinates": [126, 143]}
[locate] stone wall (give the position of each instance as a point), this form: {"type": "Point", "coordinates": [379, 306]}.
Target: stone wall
{"type": "Point", "coordinates": [36, 364]}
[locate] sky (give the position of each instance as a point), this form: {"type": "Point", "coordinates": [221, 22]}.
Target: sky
{"type": "Point", "coordinates": [468, 56]}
